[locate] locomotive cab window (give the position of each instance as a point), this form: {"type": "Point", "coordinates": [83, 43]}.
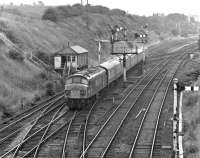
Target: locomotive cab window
{"type": "Point", "coordinates": [69, 81]}
{"type": "Point", "coordinates": [76, 80]}
{"type": "Point", "coordinates": [84, 81]}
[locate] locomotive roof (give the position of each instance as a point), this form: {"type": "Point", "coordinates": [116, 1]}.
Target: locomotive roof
{"type": "Point", "coordinates": [110, 63]}
{"type": "Point", "coordinates": [90, 72]}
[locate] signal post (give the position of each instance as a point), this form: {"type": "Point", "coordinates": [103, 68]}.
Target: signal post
{"type": "Point", "coordinates": [122, 46]}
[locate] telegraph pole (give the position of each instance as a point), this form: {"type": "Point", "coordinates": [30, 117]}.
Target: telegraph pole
{"type": "Point", "coordinates": [100, 41]}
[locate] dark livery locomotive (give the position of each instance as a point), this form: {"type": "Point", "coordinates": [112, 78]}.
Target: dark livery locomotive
{"type": "Point", "coordinates": [83, 86]}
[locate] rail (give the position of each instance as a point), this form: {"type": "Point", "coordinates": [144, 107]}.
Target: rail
{"type": "Point", "coordinates": [104, 125]}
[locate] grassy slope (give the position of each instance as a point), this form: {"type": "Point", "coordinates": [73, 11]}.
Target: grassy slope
{"type": "Point", "coordinates": [17, 80]}
{"type": "Point", "coordinates": [191, 140]}
{"type": "Point", "coordinates": [47, 36]}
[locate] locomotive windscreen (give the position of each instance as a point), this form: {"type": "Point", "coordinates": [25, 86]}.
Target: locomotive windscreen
{"type": "Point", "coordinates": [76, 79]}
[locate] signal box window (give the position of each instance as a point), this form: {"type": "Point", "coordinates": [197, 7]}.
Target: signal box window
{"type": "Point", "coordinates": [73, 58]}
{"type": "Point", "coordinates": [69, 58]}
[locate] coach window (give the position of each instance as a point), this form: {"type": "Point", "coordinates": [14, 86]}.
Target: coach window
{"type": "Point", "coordinates": [69, 81]}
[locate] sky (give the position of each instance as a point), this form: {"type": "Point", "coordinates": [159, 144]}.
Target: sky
{"type": "Point", "coordinates": [140, 7]}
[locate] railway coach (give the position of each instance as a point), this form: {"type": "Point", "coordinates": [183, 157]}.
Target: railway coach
{"type": "Point", "coordinates": [82, 87]}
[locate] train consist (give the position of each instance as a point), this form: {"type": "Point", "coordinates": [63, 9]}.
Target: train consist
{"type": "Point", "coordinates": [82, 87]}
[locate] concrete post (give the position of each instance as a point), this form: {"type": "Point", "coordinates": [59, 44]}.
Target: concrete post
{"type": "Point", "coordinates": [175, 118]}
{"type": "Point", "coordinates": [180, 121]}
{"type": "Point", "coordinates": [124, 67]}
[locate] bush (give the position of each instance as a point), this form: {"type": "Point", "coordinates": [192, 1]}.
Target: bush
{"type": "Point", "coordinates": [50, 14]}
{"type": "Point", "coordinates": [43, 75]}
{"type": "Point", "coordinates": [42, 56]}
{"type": "Point", "coordinates": [50, 89]}
{"type": "Point", "coordinates": [36, 98]}
{"type": "Point", "coordinates": [98, 9]}
{"type": "Point", "coordinates": [4, 112]}
{"type": "Point", "coordinates": [191, 101]}
{"type": "Point", "coordinates": [175, 32]}
{"type": "Point", "coordinates": [53, 14]}
{"type": "Point", "coordinates": [13, 54]}
{"type": "Point", "coordinates": [118, 12]}
{"type": "Point", "coordinates": [191, 149]}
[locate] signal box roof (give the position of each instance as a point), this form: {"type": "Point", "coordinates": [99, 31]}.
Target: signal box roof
{"type": "Point", "coordinates": [72, 50]}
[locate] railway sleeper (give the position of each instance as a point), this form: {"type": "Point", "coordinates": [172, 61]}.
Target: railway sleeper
{"type": "Point", "coordinates": [148, 146]}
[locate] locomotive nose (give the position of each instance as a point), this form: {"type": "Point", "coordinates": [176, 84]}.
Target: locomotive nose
{"type": "Point", "coordinates": [76, 92]}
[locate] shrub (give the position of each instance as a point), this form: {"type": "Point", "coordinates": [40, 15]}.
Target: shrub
{"type": "Point", "coordinates": [36, 98]}
{"type": "Point", "coordinates": [9, 34]}
{"type": "Point", "coordinates": [42, 56]}
{"type": "Point", "coordinates": [191, 101]}
{"type": "Point", "coordinates": [4, 112]}
{"type": "Point", "coordinates": [175, 32]}
{"type": "Point", "coordinates": [118, 12]}
{"type": "Point", "coordinates": [43, 75]}
{"type": "Point", "coordinates": [13, 54]}
{"type": "Point", "coordinates": [50, 14]}
{"type": "Point", "coordinates": [50, 89]}
{"type": "Point", "coordinates": [186, 126]}
{"type": "Point", "coordinates": [98, 9]}
{"type": "Point", "coordinates": [191, 149]}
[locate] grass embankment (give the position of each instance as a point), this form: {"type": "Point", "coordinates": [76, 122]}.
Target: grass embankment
{"type": "Point", "coordinates": [191, 109]}
{"type": "Point", "coordinates": [20, 82]}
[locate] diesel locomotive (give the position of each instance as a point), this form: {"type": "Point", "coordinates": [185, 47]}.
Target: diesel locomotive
{"type": "Point", "coordinates": [82, 87]}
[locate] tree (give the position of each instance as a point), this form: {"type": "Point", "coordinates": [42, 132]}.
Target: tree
{"type": "Point", "coordinates": [175, 32]}
{"type": "Point", "coordinates": [50, 14]}
{"type": "Point", "coordinates": [41, 3]}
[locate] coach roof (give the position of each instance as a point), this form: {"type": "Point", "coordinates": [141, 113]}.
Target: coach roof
{"type": "Point", "coordinates": [90, 72]}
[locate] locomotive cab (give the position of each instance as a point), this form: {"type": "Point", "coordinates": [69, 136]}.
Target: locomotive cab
{"type": "Point", "coordinates": [76, 90]}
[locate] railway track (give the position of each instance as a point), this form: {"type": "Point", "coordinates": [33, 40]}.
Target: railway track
{"type": "Point", "coordinates": [35, 143]}
{"type": "Point", "coordinates": [164, 126]}
{"type": "Point", "coordinates": [96, 147]}
{"type": "Point", "coordinates": [75, 136]}
{"type": "Point", "coordinates": [23, 114]}
{"type": "Point", "coordinates": [144, 141]}
{"type": "Point", "coordinates": [65, 134]}
{"type": "Point", "coordinates": [12, 131]}
{"type": "Point", "coordinates": [34, 138]}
